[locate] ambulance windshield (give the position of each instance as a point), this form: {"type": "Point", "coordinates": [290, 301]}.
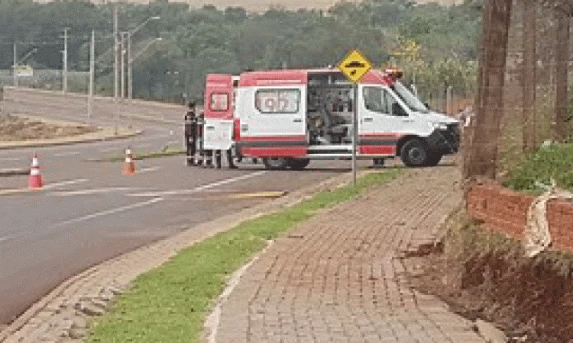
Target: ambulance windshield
{"type": "Point", "coordinates": [410, 99]}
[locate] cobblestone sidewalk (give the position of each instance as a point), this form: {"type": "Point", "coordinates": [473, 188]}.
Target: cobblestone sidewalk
{"type": "Point", "coordinates": [339, 278]}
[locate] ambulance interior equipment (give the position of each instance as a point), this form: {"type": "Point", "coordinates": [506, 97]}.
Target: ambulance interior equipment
{"type": "Point", "coordinates": [330, 109]}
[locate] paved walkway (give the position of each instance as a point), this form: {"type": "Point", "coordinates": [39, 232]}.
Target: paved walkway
{"type": "Point", "coordinates": [338, 278]}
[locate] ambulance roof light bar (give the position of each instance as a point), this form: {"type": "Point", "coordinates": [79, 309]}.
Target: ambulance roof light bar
{"type": "Point", "coordinates": [394, 73]}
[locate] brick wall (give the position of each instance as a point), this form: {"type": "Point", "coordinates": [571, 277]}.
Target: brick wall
{"type": "Point", "coordinates": [505, 211]}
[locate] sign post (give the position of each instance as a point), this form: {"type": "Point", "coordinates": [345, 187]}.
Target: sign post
{"type": "Point", "coordinates": [354, 67]}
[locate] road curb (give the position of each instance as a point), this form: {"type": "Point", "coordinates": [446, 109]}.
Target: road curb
{"type": "Point", "coordinates": [148, 118]}
{"type": "Point", "coordinates": [6, 192]}
{"type": "Point", "coordinates": [72, 141]}
{"type": "Point", "coordinates": [120, 271]}
{"type": "Point", "coordinates": [14, 172]}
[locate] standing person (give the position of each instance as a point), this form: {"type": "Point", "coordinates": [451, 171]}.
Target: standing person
{"type": "Point", "coordinates": [217, 155]}
{"type": "Point", "coordinates": [191, 134]}
{"type": "Point", "coordinates": [219, 158]}
{"type": "Point", "coordinates": [230, 161]}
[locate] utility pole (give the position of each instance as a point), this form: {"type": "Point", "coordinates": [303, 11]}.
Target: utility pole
{"type": "Point", "coordinates": [123, 60]}
{"type": "Point", "coordinates": [116, 50]}
{"type": "Point", "coordinates": [129, 69]}
{"type": "Point", "coordinates": [14, 71]}
{"type": "Point", "coordinates": [65, 63]}
{"type": "Point", "coordinates": [92, 77]}
{"type": "Point", "coordinates": [115, 65]}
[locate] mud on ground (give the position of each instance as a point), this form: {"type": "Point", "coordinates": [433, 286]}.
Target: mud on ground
{"type": "Point", "coordinates": [484, 275]}
{"type": "Point", "coordinates": [14, 128]}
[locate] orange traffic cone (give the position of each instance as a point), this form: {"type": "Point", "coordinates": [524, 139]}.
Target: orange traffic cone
{"type": "Point", "coordinates": [128, 166]}
{"type": "Point", "coordinates": [35, 178]}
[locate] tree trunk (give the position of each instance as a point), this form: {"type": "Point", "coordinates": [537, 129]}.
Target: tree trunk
{"type": "Point", "coordinates": [529, 75]}
{"type": "Point", "coordinates": [562, 58]}
{"type": "Point", "coordinates": [485, 134]}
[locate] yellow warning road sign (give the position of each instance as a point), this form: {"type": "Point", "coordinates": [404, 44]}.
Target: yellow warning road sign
{"type": "Point", "coordinates": [354, 66]}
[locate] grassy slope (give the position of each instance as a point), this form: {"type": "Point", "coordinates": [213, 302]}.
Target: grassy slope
{"type": "Point", "coordinates": [169, 304]}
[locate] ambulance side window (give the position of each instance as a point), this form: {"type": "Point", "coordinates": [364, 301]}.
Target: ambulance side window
{"type": "Point", "coordinates": [379, 100]}
{"type": "Point", "coordinates": [219, 102]}
{"type": "Point", "coordinates": [277, 100]}
{"type": "Point", "coordinates": [374, 99]}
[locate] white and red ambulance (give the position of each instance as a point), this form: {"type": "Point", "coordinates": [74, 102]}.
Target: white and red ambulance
{"type": "Point", "coordinates": [289, 117]}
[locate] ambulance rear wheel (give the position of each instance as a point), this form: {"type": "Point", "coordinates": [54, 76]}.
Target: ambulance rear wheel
{"type": "Point", "coordinates": [414, 153]}
{"type": "Point", "coordinates": [277, 163]}
{"type": "Point", "coordinates": [299, 163]}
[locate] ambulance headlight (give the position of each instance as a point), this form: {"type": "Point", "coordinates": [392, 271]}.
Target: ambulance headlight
{"type": "Point", "coordinates": [439, 126]}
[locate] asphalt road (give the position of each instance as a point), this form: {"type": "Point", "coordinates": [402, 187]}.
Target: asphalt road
{"type": "Point", "coordinates": [89, 212]}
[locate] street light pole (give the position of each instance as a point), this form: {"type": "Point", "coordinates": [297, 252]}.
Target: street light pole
{"type": "Point", "coordinates": [129, 69]}
{"type": "Point", "coordinates": [115, 65]}
{"type": "Point", "coordinates": [116, 51]}
{"type": "Point", "coordinates": [14, 71]}
{"type": "Point", "coordinates": [65, 63]}
{"type": "Point", "coordinates": [92, 77]}
{"type": "Point", "coordinates": [122, 59]}
{"type": "Point", "coordinates": [130, 59]}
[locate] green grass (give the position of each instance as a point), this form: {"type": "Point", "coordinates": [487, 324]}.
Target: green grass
{"type": "Point", "coordinates": [553, 162]}
{"type": "Point", "coordinates": [169, 304]}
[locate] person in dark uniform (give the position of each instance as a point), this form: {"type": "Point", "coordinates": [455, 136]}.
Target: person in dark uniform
{"type": "Point", "coordinates": [191, 134]}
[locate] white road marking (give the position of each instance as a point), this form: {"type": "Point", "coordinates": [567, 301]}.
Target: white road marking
{"type": "Point", "coordinates": [64, 183]}
{"type": "Point", "coordinates": [148, 170]}
{"type": "Point", "coordinates": [112, 211]}
{"type": "Point", "coordinates": [154, 137]}
{"type": "Point", "coordinates": [173, 142]}
{"type": "Point", "coordinates": [10, 159]}
{"type": "Point", "coordinates": [110, 149]}
{"type": "Point", "coordinates": [6, 238]}
{"type": "Point", "coordinates": [64, 154]}
{"type": "Point", "coordinates": [92, 191]}
{"type": "Point", "coordinates": [200, 188]}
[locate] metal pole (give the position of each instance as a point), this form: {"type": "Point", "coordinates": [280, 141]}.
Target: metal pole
{"type": "Point", "coordinates": [129, 69]}
{"type": "Point", "coordinates": [116, 50]}
{"type": "Point", "coordinates": [65, 64]}
{"type": "Point", "coordinates": [14, 71]}
{"type": "Point", "coordinates": [354, 133]}
{"type": "Point", "coordinates": [92, 76]}
{"type": "Point", "coordinates": [122, 64]}
{"type": "Point", "coordinates": [116, 64]}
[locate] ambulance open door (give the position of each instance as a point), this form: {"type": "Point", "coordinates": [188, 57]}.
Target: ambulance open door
{"type": "Point", "coordinates": [218, 111]}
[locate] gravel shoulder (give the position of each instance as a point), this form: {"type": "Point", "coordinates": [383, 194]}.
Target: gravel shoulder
{"type": "Point", "coordinates": [25, 132]}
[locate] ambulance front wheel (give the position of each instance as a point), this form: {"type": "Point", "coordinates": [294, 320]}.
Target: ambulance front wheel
{"type": "Point", "coordinates": [276, 163]}
{"type": "Point", "coordinates": [299, 163]}
{"type": "Point", "coordinates": [414, 153]}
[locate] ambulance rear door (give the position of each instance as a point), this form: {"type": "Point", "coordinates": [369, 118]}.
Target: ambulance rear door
{"type": "Point", "coordinates": [272, 110]}
{"type": "Point", "coordinates": [218, 112]}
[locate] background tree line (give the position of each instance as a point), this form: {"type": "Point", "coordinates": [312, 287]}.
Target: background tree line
{"type": "Point", "coordinates": [436, 45]}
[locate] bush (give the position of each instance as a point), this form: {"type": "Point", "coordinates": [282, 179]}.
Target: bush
{"type": "Point", "coordinates": [552, 162]}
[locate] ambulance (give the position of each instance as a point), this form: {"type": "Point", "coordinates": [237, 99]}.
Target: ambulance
{"type": "Point", "coordinates": [289, 117]}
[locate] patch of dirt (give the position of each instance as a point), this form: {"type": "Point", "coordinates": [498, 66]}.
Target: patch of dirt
{"type": "Point", "coordinates": [14, 128]}
{"type": "Point", "coordinates": [481, 275]}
